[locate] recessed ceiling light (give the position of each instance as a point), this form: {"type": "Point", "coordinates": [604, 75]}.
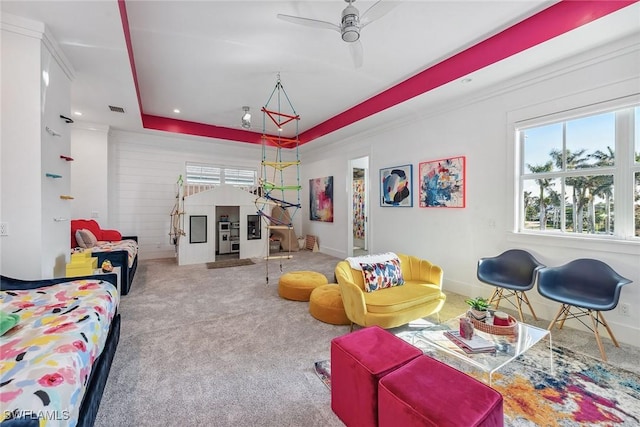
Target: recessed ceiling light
{"type": "Point", "coordinates": [77, 113]}
{"type": "Point", "coordinates": [175, 110]}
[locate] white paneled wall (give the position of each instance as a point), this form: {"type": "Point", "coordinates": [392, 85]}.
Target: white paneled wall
{"type": "Point", "coordinates": [143, 171]}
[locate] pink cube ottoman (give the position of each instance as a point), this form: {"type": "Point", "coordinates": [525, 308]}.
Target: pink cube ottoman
{"type": "Point", "coordinates": [358, 361]}
{"type": "Point", "coordinates": [427, 392]}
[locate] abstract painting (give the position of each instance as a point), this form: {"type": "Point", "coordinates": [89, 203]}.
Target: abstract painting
{"type": "Point", "coordinates": [442, 183]}
{"type": "Point", "coordinates": [396, 186]}
{"type": "Point", "coordinates": [321, 199]}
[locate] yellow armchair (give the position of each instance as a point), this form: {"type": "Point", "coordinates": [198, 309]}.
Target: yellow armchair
{"type": "Point", "coordinates": [420, 296]}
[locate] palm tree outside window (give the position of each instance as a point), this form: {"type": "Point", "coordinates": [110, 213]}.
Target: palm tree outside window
{"type": "Point", "coordinates": [578, 175]}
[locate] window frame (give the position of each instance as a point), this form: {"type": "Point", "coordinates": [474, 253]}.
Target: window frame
{"type": "Point", "coordinates": [623, 171]}
{"type": "Point", "coordinates": [224, 171]}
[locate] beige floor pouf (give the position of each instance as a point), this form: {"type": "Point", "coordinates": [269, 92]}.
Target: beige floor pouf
{"type": "Point", "coordinates": [325, 304]}
{"type": "Point", "coordinates": [298, 285]}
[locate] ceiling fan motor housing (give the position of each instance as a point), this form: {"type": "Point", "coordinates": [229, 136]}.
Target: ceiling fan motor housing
{"type": "Point", "coordinates": [350, 24]}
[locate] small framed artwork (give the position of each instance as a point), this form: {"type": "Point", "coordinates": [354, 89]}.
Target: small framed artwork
{"type": "Point", "coordinates": [321, 199]}
{"type": "Point", "coordinates": [442, 183]}
{"type": "Point", "coordinates": [396, 186]}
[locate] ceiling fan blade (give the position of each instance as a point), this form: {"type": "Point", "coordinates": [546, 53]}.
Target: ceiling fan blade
{"type": "Point", "coordinates": [356, 51]}
{"type": "Point", "coordinates": [377, 11]}
{"type": "Point", "coordinates": [308, 22]}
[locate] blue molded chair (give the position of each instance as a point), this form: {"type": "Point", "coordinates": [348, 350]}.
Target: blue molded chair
{"type": "Point", "coordinates": [584, 287]}
{"type": "Point", "coordinates": [512, 273]}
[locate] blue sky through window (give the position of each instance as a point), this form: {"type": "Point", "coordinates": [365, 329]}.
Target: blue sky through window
{"type": "Point", "coordinates": [591, 133]}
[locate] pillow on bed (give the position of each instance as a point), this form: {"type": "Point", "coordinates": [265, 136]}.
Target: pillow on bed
{"type": "Point", "coordinates": [382, 275]}
{"type": "Point", "coordinates": [7, 321]}
{"type": "Point", "coordinates": [86, 239]}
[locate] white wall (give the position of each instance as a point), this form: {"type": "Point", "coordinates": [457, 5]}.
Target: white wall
{"type": "Point", "coordinates": [37, 219]}
{"type": "Point", "coordinates": [478, 128]}
{"type": "Point", "coordinates": [89, 173]}
{"type": "Point", "coordinates": [21, 161]}
{"type": "Point", "coordinates": [143, 171]}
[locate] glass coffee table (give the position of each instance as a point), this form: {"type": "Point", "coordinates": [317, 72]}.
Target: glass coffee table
{"type": "Point", "coordinates": [508, 347]}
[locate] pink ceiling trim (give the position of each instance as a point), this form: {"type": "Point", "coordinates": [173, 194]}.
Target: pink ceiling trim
{"type": "Point", "coordinates": [199, 129]}
{"type": "Point", "coordinates": [558, 19]}
{"type": "Point", "coordinates": [127, 37]}
{"type": "Point", "coordinates": [551, 22]}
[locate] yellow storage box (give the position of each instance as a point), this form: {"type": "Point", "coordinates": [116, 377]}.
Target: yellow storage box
{"type": "Point", "coordinates": [81, 266]}
{"type": "Point", "coordinates": [80, 256]}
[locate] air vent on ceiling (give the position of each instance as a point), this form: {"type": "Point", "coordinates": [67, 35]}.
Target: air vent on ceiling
{"type": "Point", "coordinates": [116, 109]}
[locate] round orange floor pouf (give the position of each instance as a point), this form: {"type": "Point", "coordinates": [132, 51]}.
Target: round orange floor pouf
{"type": "Point", "coordinates": [325, 304]}
{"type": "Point", "coordinates": [298, 285]}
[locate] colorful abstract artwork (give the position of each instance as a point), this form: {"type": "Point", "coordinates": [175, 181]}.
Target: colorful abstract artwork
{"type": "Point", "coordinates": [321, 199]}
{"type": "Point", "coordinates": [442, 183]}
{"type": "Point", "coordinates": [396, 186]}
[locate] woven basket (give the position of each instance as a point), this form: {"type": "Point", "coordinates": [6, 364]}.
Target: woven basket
{"type": "Point", "coordinates": [495, 329]}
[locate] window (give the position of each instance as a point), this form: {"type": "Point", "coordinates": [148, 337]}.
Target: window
{"type": "Point", "coordinates": [581, 174]}
{"type": "Point", "coordinates": [201, 177]}
{"type": "Point", "coordinates": [201, 174]}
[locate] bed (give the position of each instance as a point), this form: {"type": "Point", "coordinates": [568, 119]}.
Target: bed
{"type": "Point", "coordinates": [123, 254]}
{"type": "Point", "coordinates": [121, 251]}
{"type": "Point", "coordinates": [56, 360]}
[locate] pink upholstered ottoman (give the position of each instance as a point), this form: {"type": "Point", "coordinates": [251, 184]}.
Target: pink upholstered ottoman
{"type": "Point", "coordinates": [358, 361]}
{"type": "Point", "coordinates": [427, 392]}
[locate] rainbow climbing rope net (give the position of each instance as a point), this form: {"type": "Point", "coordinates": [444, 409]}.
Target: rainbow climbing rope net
{"type": "Point", "coordinates": [280, 166]}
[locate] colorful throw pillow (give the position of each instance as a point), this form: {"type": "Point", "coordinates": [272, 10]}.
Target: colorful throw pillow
{"type": "Point", "coordinates": [382, 275]}
{"type": "Point", "coordinates": [85, 238]}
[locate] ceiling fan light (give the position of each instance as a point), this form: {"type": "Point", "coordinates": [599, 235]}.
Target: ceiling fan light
{"type": "Point", "coordinates": [350, 34]}
{"type": "Point", "coordinates": [350, 24]}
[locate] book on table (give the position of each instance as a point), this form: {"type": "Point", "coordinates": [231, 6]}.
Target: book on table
{"type": "Point", "coordinates": [476, 344]}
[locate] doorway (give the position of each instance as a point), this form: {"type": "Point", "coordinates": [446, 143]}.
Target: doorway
{"type": "Point", "coordinates": [227, 232]}
{"type": "Point", "coordinates": [359, 212]}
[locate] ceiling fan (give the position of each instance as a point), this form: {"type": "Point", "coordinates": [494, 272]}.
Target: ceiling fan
{"type": "Point", "coordinates": [351, 23]}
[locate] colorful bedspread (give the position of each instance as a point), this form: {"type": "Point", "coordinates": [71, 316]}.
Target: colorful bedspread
{"type": "Point", "coordinates": [47, 357]}
{"type": "Point", "coordinates": [131, 246]}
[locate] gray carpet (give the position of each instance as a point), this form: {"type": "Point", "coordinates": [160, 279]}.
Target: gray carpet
{"type": "Point", "coordinates": [221, 348]}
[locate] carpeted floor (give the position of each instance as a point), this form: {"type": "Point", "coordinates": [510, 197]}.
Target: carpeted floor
{"type": "Point", "coordinates": [219, 347]}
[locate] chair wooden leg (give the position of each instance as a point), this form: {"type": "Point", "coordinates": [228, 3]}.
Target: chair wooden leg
{"type": "Point", "coordinates": [606, 325]}
{"type": "Point", "coordinates": [496, 296]}
{"type": "Point", "coordinates": [351, 328]}
{"type": "Point", "coordinates": [555, 319]}
{"type": "Point", "coordinates": [566, 311]}
{"type": "Point", "coordinates": [519, 305]}
{"type": "Point", "coordinates": [526, 300]}
{"type": "Point", "coordinates": [594, 321]}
